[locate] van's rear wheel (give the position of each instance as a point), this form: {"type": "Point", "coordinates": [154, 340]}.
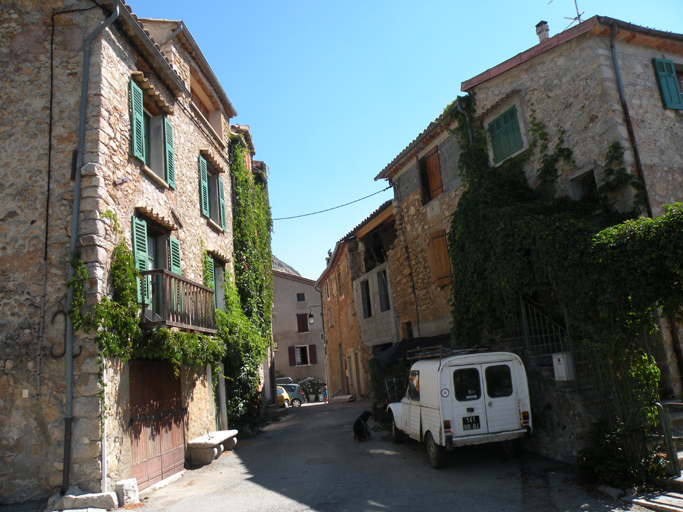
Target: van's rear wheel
{"type": "Point", "coordinates": [435, 453]}
{"type": "Point", "coordinates": [396, 433]}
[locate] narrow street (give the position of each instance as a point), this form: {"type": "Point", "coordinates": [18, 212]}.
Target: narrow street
{"type": "Point", "coordinates": [308, 461]}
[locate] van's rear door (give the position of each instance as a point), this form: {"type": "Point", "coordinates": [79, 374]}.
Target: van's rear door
{"type": "Point", "coordinates": [502, 407]}
{"type": "Point", "coordinates": [464, 399]}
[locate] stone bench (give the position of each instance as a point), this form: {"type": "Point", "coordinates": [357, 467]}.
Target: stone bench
{"type": "Point", "coordinates": [203, 450]}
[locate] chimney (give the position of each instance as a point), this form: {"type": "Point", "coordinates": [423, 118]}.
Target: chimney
{"type": "Point", "coordinates": [542, 31]}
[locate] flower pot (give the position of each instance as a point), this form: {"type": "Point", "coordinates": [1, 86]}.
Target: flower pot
{"type": "Point", "coordinates": [311, 398]}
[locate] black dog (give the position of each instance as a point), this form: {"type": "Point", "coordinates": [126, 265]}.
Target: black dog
{"type": "Point", "coordinates": [361, 431]}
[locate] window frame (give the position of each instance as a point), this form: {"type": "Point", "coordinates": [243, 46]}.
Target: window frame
{"type": "Point", "coordinates": [383, 291]}
{"type": "Point", "coordinates": [669, 83]}
{"type": "Point", "coordinates": [509, 128]}
{"type": "Point", "coordinates": [366, 299]}
{"type": "Point", "coordinates": [430, 175]}
{"type": "Point", "coordinates": [211, 193]}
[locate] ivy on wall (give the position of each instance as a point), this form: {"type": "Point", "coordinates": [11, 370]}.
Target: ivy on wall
{"type": "Point", "coordinates": [607, 269]}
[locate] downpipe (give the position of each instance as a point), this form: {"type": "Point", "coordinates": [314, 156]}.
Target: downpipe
{"type": "Point", "coordinates": [68, 345]}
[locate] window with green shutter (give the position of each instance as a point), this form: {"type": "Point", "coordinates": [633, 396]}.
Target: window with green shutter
{"type": "Point", "coordinates": [668, 82]}
{"type": "Point", "coordinates": [204, 187]}
{"type": "Point", "coordinates": [151, 136]}
{"type": "Point", "coordinates": [506, 137]}
{"type": "Point", "coordinates": [174, 256]}
{"type": "Point", "coordinates": [140, 257]}
{"type": "Point", "coordinates": [211, 193]}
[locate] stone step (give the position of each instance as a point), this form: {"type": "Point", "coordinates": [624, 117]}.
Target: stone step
{"type": "Point", "coordinates": [661, 501]}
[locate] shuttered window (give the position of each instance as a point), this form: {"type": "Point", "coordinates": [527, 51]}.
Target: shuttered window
{"type": "Point", "coordinates": [430, 176]}
{"type": "Point", "coordinates": [137, 133]}
{"type": "Point", "coordinates": [204, 187]}
{"type": "Point", "coordinates": [438, 259]}
{"type": "Point", "coordinates": [221, 203]}
{"type": "Point", "coordinates": [506, 137]}
{"type": "Point", "coordinates": [175, 257]}
{"type": "Point", "coordinates": [667, 80]}
{"type": "Point", "coordinates": [139, 238]}
{"type": "Point", "coordinates": [312, 354]}
{"type": "Point", "coordinates": [170, 155]}
{"type": "Point", "coordinates": [301, 322]}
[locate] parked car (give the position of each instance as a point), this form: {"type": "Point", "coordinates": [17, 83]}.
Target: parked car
{"type": "Point", "coordinates": [283, 399]}
{"type": "Point", "coordinates": [283, 380]}
{"type": "Point", "coordinates": [295, 393]}
{"type": "Point", "coordinates": [465, 399]}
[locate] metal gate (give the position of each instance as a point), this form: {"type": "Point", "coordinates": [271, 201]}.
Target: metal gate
{"type": "Point", "coordinates": [157, 427]}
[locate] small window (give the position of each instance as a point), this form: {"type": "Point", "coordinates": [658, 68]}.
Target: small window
{"type": "Point", "coordinates": [330, 316]}
{"type": "Point", "coordinates": [322, 337]}
{"type": "Point", "coordinates": [467, 384]}
{"type": "Point", "coordinates": [301, 297]}
{"type": "Point", "coordinates": [383, 288]}
{"type": "Point", "coordinates": [584, 186]}
{"type": "Point", "coordinates": [438, 259]}
{"type": "Point", "coordinates": [506, 137]}
{"type": "Point", "coordinates": [339, 284]}
{"type": "Point", "coordinates": [430, 176]}
{"type": "Point", "coordinates": [211, 195]}
{"type": "Point", "coordinates": [365, 297]}
{"type": "Point", "coordinates": [414, 385]}
{"type": "Point", "coordinates": [216, 269]}
{"type": "Point", "coordinates": [498, 381]}
{"type": "Point", "coordinates": [327, 290]}
{"type": "Point", "coordinates": [301, 322]}
{"type": "Point", "coordinates": [669, 81]}
{"type": "Point", "coordinates": [302, 355]}
{"type": "Point", "coordinates": [406, 330]}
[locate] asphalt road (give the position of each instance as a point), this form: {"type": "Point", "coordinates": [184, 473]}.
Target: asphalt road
{"type": "Point", "coordinates": [309, 461]}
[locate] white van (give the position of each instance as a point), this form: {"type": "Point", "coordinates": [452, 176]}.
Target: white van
{"type": "Point", "coordinates": [464, 399]}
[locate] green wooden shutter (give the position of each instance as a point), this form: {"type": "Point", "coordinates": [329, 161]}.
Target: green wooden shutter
{"type": "Point", "coordinates": [221, 202]}
{"type": "Point", "coordinates": [204, 187]}
{"type": "Point", "coordinates": [170, 156]}
{"type": "Point", "coordinates": [137, 132]}
{"type": "Point", "coordinates": [211, 268]}
{"type": "Point", "coordinates": [176, 260]}
{"type": "Point", "coordinates": [140, 256]}
{"type": "Point", "coordinates": [668, 84]}
{"type": "Point", "coordinates": [506, 137]}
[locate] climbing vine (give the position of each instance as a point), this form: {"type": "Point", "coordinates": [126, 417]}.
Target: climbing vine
{"type": "Point", "coordinates": [116, 324]}
{"type": "Point", "coordinates": [607, 269]}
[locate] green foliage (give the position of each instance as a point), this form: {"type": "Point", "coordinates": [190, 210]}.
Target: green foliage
{"type": "Point", "coordinates": [608, 270]}
{"type": "Point", "coordinates": [116, 322]}
{"type": "Point", "coordinates": [605, 458]}
{"type": "Point", "coordinates": [252, 226]}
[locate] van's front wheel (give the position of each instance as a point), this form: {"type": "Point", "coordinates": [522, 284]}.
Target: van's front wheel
{"type": "Point", "coordinates": [397, 434]}
{"type": "Point", "coordinates": [435, 453]}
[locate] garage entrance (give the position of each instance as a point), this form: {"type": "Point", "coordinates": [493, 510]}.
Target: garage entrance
{"type": "Point", "coordinates": [157, 426]}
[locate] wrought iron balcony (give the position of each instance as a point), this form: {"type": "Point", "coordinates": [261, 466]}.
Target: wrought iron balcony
{"type": "Point", "coordinates": [177, 302]}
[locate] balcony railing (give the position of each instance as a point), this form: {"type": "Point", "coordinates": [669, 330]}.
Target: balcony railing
{"type": "Point", "coordinates": [178, 302]}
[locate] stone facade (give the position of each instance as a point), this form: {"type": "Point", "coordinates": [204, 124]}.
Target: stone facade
{"type": "Point", "coordinates": [295, 295]}
{"type": "Point", "coordinates": [570, 83]}
{"type": "Point", "coordinates": [37, 162]}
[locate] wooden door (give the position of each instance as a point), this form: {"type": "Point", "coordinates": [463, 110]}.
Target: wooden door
{"type": "Point", "coordinates": [157, 422]}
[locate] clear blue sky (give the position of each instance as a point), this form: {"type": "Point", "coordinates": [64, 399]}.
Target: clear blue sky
{"type": "Point", "coordinates": [334, 90]}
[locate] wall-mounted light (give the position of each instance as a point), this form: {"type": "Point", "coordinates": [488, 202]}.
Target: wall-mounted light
{"type": "Point", "coordinates": [311, 318]}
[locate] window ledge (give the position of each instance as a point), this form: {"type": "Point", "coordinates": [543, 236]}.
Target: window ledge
{"type": "Point", "coordinates": [214, 226]}
{"type": "Point", "coordinates": [208, 126]}
{"type": "Point", "coordinates": [155, 177]}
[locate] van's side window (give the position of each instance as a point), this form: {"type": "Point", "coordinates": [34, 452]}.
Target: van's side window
{"type": "Point", "coordinates": [498, 381]}
{"type": "Point", "coordinates": [467, 384]}
{"type": "Point", "coordinates": [414, 385]}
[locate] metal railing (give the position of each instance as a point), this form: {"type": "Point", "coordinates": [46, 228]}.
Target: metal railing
{"type": "Point", "coordinates": [177, 302]}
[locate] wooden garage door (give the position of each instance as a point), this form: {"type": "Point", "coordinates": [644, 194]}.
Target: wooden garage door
{"type": "Point", "coordinates": [157, 429]}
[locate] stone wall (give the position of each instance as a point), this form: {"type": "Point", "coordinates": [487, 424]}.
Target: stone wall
{"type": "Point", "coordinates": [415, 296]}
{"type": "Point", "coordinates": [32, 442]}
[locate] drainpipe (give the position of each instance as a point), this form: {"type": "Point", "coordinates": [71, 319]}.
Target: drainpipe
{"type": "Point", "coordinates": [68, 344]}
{"type": "Point", "coordinates": [179, 28]}
{"type": "Point", "coordinates": [627, 118]}
{"type": "Point", "coordinates": [639, 169]}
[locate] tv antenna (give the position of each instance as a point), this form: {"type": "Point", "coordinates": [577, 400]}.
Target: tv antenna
{"type": "Point", "coordinates": [578, 14]}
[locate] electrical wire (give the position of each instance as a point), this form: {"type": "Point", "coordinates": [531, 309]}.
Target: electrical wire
{"type": "Point", "coordinates": [333, 208]}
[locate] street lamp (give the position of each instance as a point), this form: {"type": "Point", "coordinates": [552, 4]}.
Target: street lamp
{"type": "Point", "coordinates": [311, 319]}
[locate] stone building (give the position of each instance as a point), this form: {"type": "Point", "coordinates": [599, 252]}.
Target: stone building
{"type": "Point", "coordinates": [357, 302]}
{"type": "Point", "coordinates": [150, 146]}
{"type": "Point", "coordinates": [426, 192]}
{"type": "Point", "coordinates": [297, 327]}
